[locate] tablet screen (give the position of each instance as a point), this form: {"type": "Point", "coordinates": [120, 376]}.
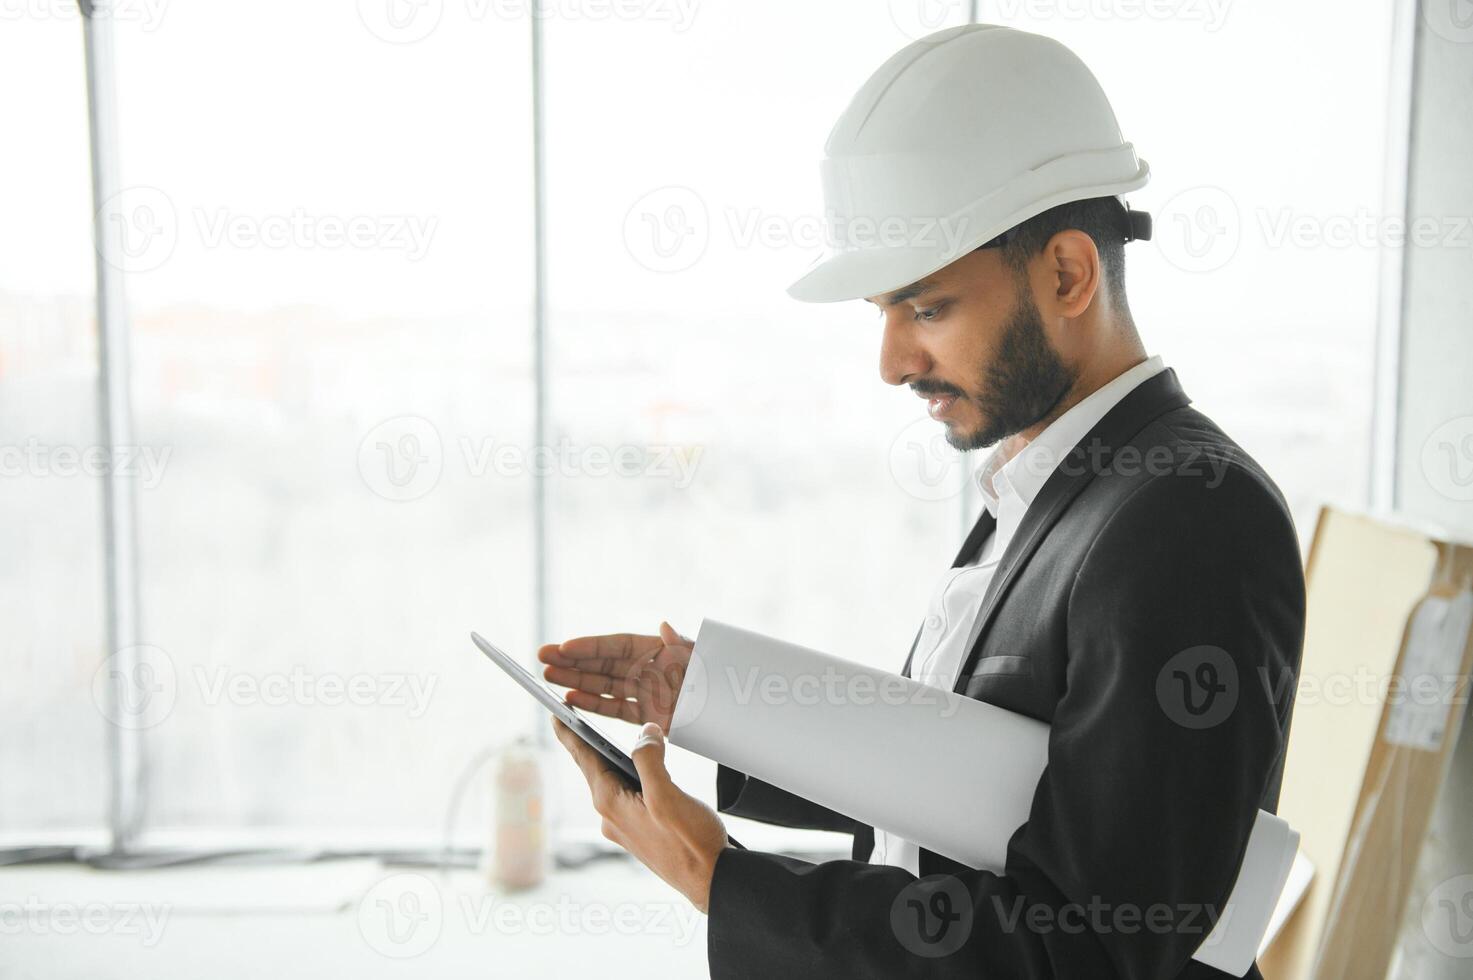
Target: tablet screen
{"type": "Point", "coordinates": [569, 715]}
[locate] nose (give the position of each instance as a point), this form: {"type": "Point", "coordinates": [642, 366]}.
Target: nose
{"type": "Point", "coordinates": [901, 357]}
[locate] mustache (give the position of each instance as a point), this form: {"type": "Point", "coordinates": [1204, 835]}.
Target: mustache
{"type": "Point", "coordinates": [926, 387]}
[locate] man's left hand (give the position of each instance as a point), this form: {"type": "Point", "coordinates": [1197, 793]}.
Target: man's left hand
{"type": "Point", "coordinates": [672, 833]}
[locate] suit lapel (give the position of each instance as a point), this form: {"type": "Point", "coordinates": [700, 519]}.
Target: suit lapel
{"type": "Point", "coordinates": [984, 526]}
{"type": "Point", "coordinates": [1151, 398]}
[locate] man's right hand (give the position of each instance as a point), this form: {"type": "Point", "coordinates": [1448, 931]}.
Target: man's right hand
{"type": "Point", "coordinates": [622, 675]}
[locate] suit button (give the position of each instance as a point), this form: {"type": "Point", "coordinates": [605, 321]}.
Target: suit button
{"type": "Point", "coordinates": [933, 622]}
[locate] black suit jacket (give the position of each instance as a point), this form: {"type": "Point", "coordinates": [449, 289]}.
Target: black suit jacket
{"type": "Point", "coordinates": [1150, 608]}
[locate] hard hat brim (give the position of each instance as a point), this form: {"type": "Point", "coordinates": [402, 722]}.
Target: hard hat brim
{"type": "Point", "coordinates": [858, 273]}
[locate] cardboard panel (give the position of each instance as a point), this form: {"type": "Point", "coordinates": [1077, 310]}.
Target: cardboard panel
{"type": "Point", "coordinates": [1402, 780]}
{"type": "Point", "coordinates": [1363, 579]}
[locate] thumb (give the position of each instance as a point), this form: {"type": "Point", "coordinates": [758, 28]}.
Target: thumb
{"type": "Point", "coordinates": [649, 760]}
{"type": "Point", "coordinates": [672, 638]}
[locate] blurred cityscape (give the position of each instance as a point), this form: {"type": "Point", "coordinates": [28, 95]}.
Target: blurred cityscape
{"type": "Point", "coordinates": [273, 545]}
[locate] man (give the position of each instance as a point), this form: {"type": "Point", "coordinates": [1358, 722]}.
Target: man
{"type": "Point", "coordinates": [1134, 579]}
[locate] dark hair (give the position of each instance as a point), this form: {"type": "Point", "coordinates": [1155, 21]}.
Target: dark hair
{"type": "Point", "coordinates": [1101, 218]}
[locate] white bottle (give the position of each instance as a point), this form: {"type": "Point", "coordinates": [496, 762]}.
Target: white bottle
{"type": "Point", "coordinates": [519, 849]}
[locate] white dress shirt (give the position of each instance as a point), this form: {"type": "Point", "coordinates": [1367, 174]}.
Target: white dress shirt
{"type": "Point", "coordinates": [1008, 486]}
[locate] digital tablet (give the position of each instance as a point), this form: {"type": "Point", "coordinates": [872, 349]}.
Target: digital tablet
{"type": "Point", "coordinates": [623, 766]}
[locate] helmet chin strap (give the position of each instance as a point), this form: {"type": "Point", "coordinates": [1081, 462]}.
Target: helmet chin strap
{"type": "Point", "coordinates": [1137, 225]}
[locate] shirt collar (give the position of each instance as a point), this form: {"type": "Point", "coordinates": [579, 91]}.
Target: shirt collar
{"type": "Point", "coordinates": [1022, 475]}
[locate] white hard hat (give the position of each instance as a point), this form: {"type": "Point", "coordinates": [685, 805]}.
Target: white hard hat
{"type": "Point", "coordinates": [957, 138]}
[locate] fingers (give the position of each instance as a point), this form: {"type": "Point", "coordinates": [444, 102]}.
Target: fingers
{"type": "Point", "coordinates": [582, 680]}
{"type": "Point", "coordinates": [575, 746]}
{"type": "Point", "coordinates": [615, 654]}
{"type": "Point", "coordinates": [605, 787]}
{"type": "Point", "coordinates": [611, 707]}
{"type": "Point", "coordinates": [619, 675]}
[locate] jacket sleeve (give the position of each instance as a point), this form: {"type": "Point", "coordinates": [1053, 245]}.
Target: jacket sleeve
{"type": "Point", "coordinates": [742, 796]}
{"type": "Point", "coordinates": [1157, 766]}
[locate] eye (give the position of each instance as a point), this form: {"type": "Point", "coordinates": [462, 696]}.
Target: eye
{"type": "Point", "coordinates": [931, 314]}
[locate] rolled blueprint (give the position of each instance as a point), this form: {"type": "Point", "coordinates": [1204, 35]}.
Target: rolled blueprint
{"type": "Point", "coordinates": [867, 743]}
{"type": "Point", "coordinates": [871, 745]}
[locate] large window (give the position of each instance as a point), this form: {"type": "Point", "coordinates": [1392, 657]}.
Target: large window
{"type": "Point", "coordinates": [52, 740]}
{"type": "Point", "coordinates": [329, 217]}
{"type": "Point", "coordinates": [332, 336]}
{"type": "Point", "coordinates": [683, 198]}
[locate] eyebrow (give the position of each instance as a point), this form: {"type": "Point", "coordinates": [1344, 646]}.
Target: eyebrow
{"type": "Point", "coordinates": [909, 292]}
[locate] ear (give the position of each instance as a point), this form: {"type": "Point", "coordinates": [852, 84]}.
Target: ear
{"type": "Point", "coordinates": [1073, 267]}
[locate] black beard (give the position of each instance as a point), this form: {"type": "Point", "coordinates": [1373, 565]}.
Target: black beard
{"type": "Point", "coordinates": [1022, 385]}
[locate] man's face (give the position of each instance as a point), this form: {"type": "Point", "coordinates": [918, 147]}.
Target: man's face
{"type": "Point", "coordinates": [970, 339]}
